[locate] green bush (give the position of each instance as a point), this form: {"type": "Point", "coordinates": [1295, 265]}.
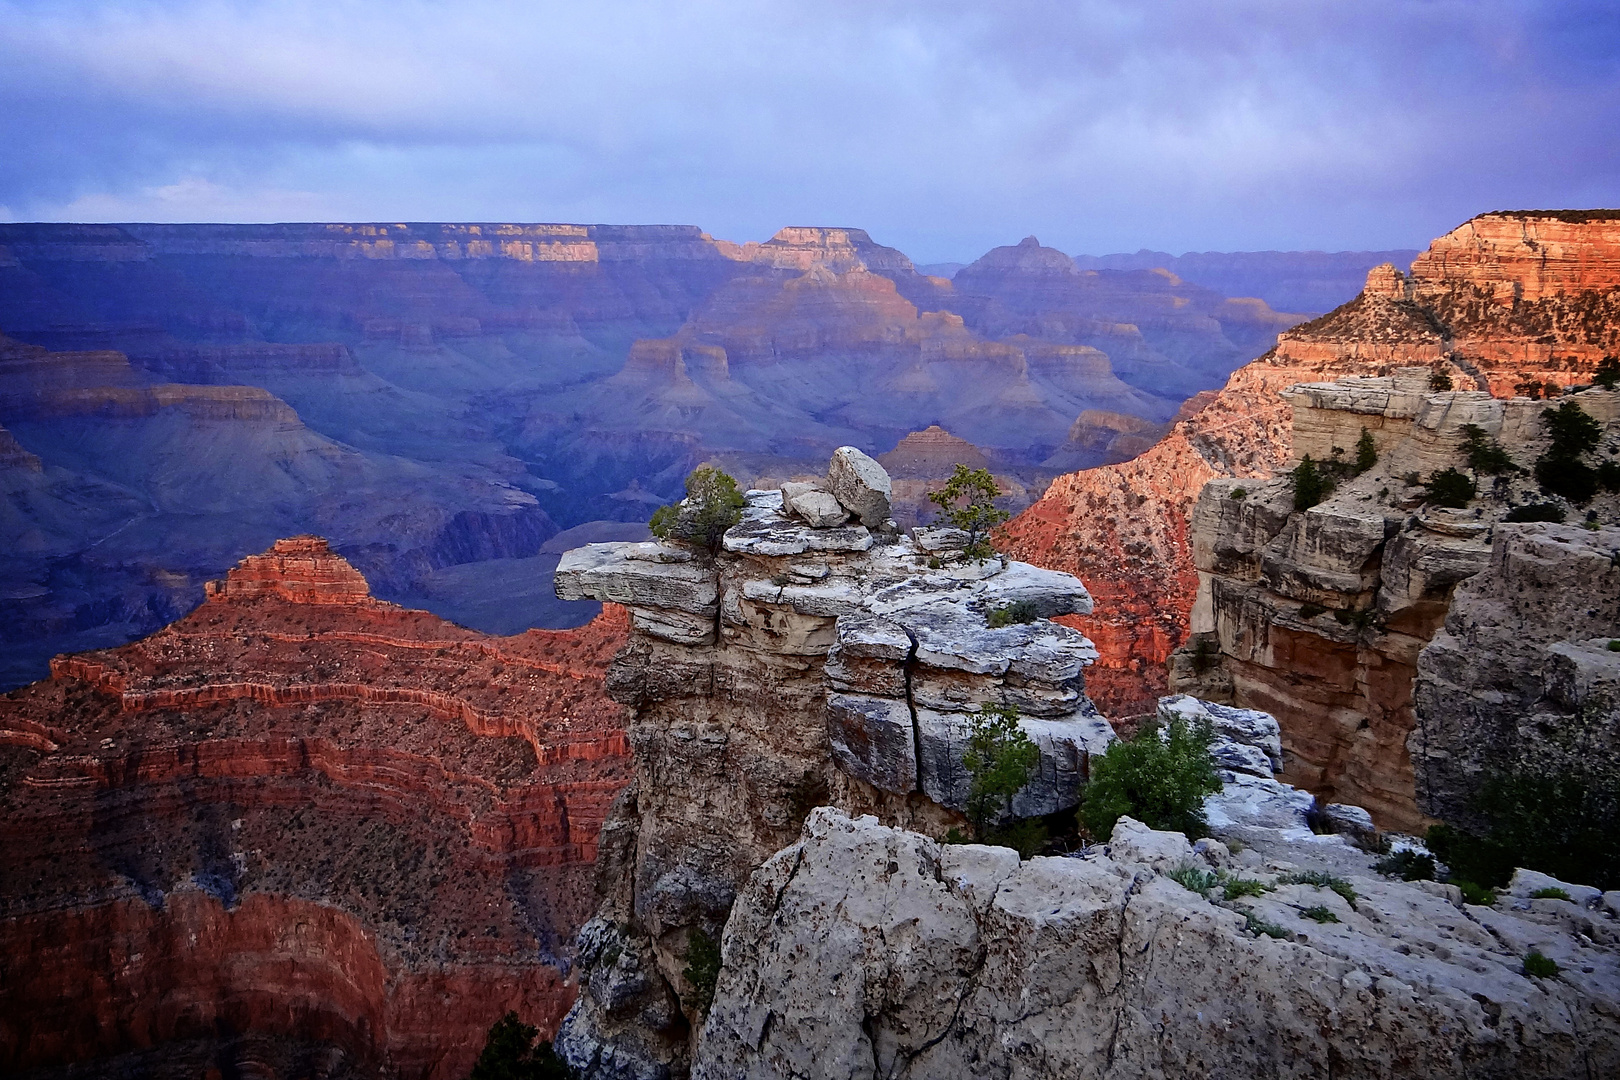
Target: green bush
{"type": "Point", "coordinates": [1257, 925]}
{"type": "Point", "coordinates": [1485, 455]}
{"type": "Point", "coordinates": [1449, 488]}
{"type": "Point", "coordinates": [712, 505]}
{"type": "Point", "coordinates": [1408, 865]}
{"type": "Point", "coordinates": [1322, 881]}
{"type": "Point", "coordinates": [1015, 613]}
{"type": "Point", "coordinates": [999, 759]}
{"type": "Point", "coordinates": [511, 1053]}
{"type": "Point", "coordinates": [1237, 888]}
{"type": "Point", "coordinates": [1536, 512]}
{"type": "Point", "coordinates": [1238, 493]}
{"type": "Point", "coordinates": [1439, 382]}
{"type": "Point", "coordinates": [1539, 966]}
{"type": "Point", "coordinates": [1194, 879]}
{"type": "Point", "coordinates": [1158, 778]}
{"type": "Point", "coordinates": [702, 970]}
{"type": "Point", "coordinates": [1608, 373]}
{"type": "Point", "coordinates": [1027, 836]}
{"type": "Point", "coordinates": [1560, 471]}
{"type": "Point", "coordinates": [1475, 894]}
{"type": "Point", "coordinates": [1321, 913]}
{"type": "Point", "coordinates": [1565, 824]}
{"type": "Point", "coordinates": [967, 502]}
{"type": "Point", "coordinates": [1312, 483]}
{"type": "Point", "coordinates": [1552, 892]}
{"type": "Point", "coordinates": [1311, 611]}
{"type": "Point", "coordinates": [1366, 452]}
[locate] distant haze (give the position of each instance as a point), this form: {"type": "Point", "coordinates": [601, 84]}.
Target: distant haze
{"type": "Point", "coordinates": [944, 128]}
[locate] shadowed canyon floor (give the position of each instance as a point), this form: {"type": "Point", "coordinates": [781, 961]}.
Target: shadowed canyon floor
{"type": "Point", "coordinates": [299, 830]}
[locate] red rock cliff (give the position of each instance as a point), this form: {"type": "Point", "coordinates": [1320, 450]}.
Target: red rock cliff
{"type": "Point", "coordinates": [300, 829]}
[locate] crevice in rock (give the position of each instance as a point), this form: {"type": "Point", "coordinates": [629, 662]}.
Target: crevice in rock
{"type": "Point", "coordinates": [1119, 990]}
{"type": "Point", "coordinates": [906, 667]}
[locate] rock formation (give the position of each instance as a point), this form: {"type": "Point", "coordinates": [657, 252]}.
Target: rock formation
{"type": "Point", "coordinates": [300, 831]}
{"type": "Point", "coordinates": [864, 950]}
{"type": "Point", "coordinates": [1319, 616]}
{"type": "Point", "coordinates": [1313, 281]}
{"type": "Point", "coordinates": [1123, 527]}
{"type": "Point", "coordinates": [802, 666]}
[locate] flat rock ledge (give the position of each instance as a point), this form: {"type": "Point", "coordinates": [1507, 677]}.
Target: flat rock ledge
{"type": "Point", "coordinates": [864, 951]}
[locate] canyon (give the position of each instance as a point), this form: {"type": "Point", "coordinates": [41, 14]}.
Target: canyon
{"type": "Point", "coordinates": [300, 831]}
{"type": "Point", "coordinates": [440, 400]}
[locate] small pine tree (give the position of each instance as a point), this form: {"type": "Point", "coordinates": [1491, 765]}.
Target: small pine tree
{"type": "Point", "coordinates": [999, 759]}
{"type": "Point", "coordinates": [1560, 471]}
{"type": "Point", "coordinates": [1608, 373]}
{"type": "Point", "coordinates": [968, 502]}
{"type": "Point", "coordinates": [1312, 484]}
{"type": "Point", "coordinates": [1366, 452]}
{"type": "Point", "coordinates": [1439, 382]}
{"type": "Point", "coordinates": [511, 1053]}
{"type": "Point", "coordinates": [1449, 488]}
{"type": "Point", "coordinates": [712, 505]}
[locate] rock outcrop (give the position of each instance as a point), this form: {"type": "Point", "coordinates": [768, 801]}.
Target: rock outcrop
{"type": "Point", "coordinates": [1123, 527]}
{"type": "Point", "coordinates": [1523, 676]}
{"type": "Point", "coordinates": [801, 666]}
{"type": "Point", "coordinates": [1319, 616]}
{"type": "Point", "coordinates": [864, 950]}
{"type": "Point", "coordinates": [299, 831]}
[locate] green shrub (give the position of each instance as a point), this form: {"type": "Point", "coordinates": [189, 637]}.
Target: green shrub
{"type": "Point", "coordinates": [1366, 452]}
{"type": "Point", "coordinates": [1449, 488]}
{"type": "Point", "coordinates": [1552, 892]}
{"type": "Point", "coordinates": [1320, 913]}
{"type": "Point", "coordinates": [511, 1053]}
{"type": "Point", "coordinates": [1017, 612]}
{"type": "Point", "coordinates": [1560, 471]}
{"type": "Point", "coordinates": [1312, 483]}
{"type": "Point", "coordinates": [1608, 475]}
{"type": "Point", "coordinates": [1408, 865]}
{"type": "Point", "coordinates": [1194, 879]}
{"type": "Point", "coordinates": [1321, 881]}
{"type": "Point", "coordinates": [1536, 512]}
{"type": "Point", "coordinates": [712, 505]}
{"type": "Point", "coordinates": [1533, 388]}
{"type": "Point", "coordinates": [1311, 611]}
{"type": "Point", "coordinates": [968, 502]}
{"type": "Point", "coordinates": [1238, 493]}
{"type": "Point", "coordinates": [1257, 925]}
{"type": "Point", "coordinates": [1541, 967]}
{"type": "Point", "coordinates": [1237, 888]}
{"type": "Point", "coordinates": [1614, 644]}
{"type": "Point", "coordinates": [1158, 778]}
{"type": "Point", "coordinates": [1607, 374]}
{"type": "Point", "coordinates": [702, 970]}
{"type": "Point", "coordinates": [1485, 455]}
{"type": "Point", "coordinates": [999, 759]}
{"type": "Point", "coordinates": [1439, 382]}
{"type": "Point", "coordinates": [1027, 836]}
{"type": "Point", "coordinates": [1564, 824]}
{"type": "Point", "coordinates": [1475, 894]}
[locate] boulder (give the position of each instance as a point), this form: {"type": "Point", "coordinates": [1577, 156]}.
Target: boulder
{"type": "Point", "coordinates": [861, 485]}
{"type": "Point", "coordinates": [1246, 727]}
{"type": "Point", "coordinates": [1526, 883]}
{"type": "Point", "coordinates": [814, 503]}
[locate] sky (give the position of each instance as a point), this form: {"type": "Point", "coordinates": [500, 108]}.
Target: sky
{"type": "Point", "coordinates": [942, 127]}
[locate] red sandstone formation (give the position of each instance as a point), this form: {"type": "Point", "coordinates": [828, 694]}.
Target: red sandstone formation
{"type": "Point", "coordinates": [300, 826]}
{"type": "Point", "coordinates": [1488, 304]}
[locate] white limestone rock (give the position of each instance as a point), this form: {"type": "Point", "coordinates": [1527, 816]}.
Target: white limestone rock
{"type": "Point", "coordinates": [637, 575]}
{"type": "Point", "coordinates": [1526, 883]}
{"type": "Point", "coordinates": [814, 503]}
{"type": "Point", "coordinates": [861, 485]}
{"type": "Point", "coordinates": [1245, 727]}
{"type": "Point", "coordinates": [872, 740]}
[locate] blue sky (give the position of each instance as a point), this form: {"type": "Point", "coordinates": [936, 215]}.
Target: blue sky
{"type": "Point", "coordinates": [943, 127]}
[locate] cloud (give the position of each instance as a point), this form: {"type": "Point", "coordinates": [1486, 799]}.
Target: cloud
{"type": "Point", "coordinates": [942, 127]}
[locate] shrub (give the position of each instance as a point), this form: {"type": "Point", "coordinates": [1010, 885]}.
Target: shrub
{"type": "Point", "coordinates": [1535, 512]}
{"type": "Point", "coordinates": [1560, 471]}
{"type": "Point", "coordinates": [1541, 967]}
{"type": "Point", "coordinates": [1159, 778]}
{"type": "Point", "coordinates": [999, 759]}
{"type": "Point", "coordinates": [712, 505]}
{"type": "Point", "coordinates": [1608, 373]}
{"type": "Point", "coordinates": [1237, 888]}
{"type": "Point", "coordinates": [1366, 452]}
{"type": "Point", "coordinates": [1531, 389]}
{"type": "Point", "coordinates": [1614, 644]}
{"type": "Point", "coordinates": [1238, 493]}
{"type": "Point", "coordinates": [1015, 613]}
{"type": "Point", "coordinates": [1573, 430]}
{"type": "Point", "coordinates": [1564, 824]}
{"type": "Point", "coordinates": [1608, 475]}
{"type": "Point", "coordinates": [1439, 382]}
{"type": "Point", "coordinates": [1257, 925]}
{"type": "Point", "coordinates": [1476, 894]}
{"type": "Point", "coordinates": [1321, 913]}
{"type": "Point", "coordinates": [968, 502]}
{"type": "Point", "coordinates": [1552, 892]}
{"type": "Point", "coordinates": [1485, 455]}
{"type": "Point", "coordinates": [1322, 881]}
{"type": "Point", "coordinates": [1449, 488]}
{"type": "Point", "coordinates": [1311, 611]}
{"type": "Point", "coordinates": [1408, 865]}
{"type": "Point", "coordinates": [1194, 879]}
{"type": "Point", "coordinates": [511, 1053]}
{"type": "Point", "coordinates": [702, 969]}
{"type": "Point", "coordinates": [1027, 836]}
{"type": "Point", "coordinates": [1312, 484]}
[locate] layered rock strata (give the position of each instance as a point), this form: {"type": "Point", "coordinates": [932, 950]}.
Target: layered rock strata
{"type": "Point", "coordinates": [1319, 616]}
{"type": "Point", "coordinates": [1123, 528]}
{"type": "Point", "coordinates": [800, 666]}
{"type": "Point", "coordinates": [1523, 676]}
{"type": "Point", "coordinates": [865, 950]}
{"type": "Point", "coordinates": [300, 831]}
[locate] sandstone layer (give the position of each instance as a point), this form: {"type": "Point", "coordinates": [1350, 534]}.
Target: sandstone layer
{"type": "Point", "coordinates": [865, 951]}
{"type": "Point", "coordinates": [300, 831]}
{"type": "Point", "coordinates": [802, 665]}
{"type": "Point", "coordinates": [1123, 527]}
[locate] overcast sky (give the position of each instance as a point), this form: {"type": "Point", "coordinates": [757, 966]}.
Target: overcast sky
{"type": "Point", "coordinates": [941, 127]}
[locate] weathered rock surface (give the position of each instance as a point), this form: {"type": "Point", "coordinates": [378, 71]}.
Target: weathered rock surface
{"type": "Point", "coordinates": [299, 830]}
{"type": "Point", "coordinates": [860, 485]}
{"type": "Point", "coordinates": [1522, 677]}
{"type": "Point", "coordinates": [836, 669]}
{"type": "Point", "coordinates": [863, 950]}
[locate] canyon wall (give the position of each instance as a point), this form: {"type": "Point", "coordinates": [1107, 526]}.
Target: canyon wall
{"type": "Point", "coordinates": [300, 831]}
{"type": "Point", "coordinates": [1123, 528]}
